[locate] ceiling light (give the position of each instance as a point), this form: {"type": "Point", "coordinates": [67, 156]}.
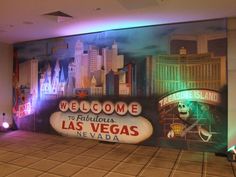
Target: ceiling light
{"type": "Point", "coordinates": [59, 16]}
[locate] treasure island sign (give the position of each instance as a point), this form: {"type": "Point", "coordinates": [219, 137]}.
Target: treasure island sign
{"type": "Point", "coordinates": [107, 121]}
{"type": "Point", "coordinates": [205, 96]}
{"type": "Point", "coordinates": [184, 113]}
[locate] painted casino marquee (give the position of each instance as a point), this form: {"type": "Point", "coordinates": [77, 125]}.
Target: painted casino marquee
{"type": "Point", "coordinates": [105, 121]}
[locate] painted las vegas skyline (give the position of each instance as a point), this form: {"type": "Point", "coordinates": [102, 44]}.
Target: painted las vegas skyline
{"type": "Point", "coordinates": [120, 62]}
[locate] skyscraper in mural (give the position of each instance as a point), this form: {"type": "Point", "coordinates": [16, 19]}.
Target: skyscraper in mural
{"type": "Point", "coordinates": [28, 80]}
{"type": "Point", "coordinates": [90, 69]}
{"type": "Point", "coordinates": [112, 83]}
{"type": "Point", "coordinates": [84, 65]}
{"type": "Point", "coordinates": [78, 60]}
{"type": "Point", "coordinates": [199, 44]}
{"type": "Point", "coordinates": [128, 80]}
{"type": "Point", "coordinates": [94, 59]}
{"type": "Point", "coordinates": [52, 82]}
{"type": "Point", "coordinates": [149, 68]}
{"type": "Point", "coordinates": [112, 60]}
{"type": "Point", "coordinates": [71, 79]}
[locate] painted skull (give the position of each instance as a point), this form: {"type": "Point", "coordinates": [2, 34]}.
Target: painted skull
{"type": "Point", "coordinates": [183, 110]}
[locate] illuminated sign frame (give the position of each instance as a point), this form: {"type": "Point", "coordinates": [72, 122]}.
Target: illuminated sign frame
{"type": "Point", "coordinates": [200, 95]}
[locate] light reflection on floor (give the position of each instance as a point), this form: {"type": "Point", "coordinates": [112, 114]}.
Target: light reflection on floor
{"type": "Point", "coordinates": [28, 154]}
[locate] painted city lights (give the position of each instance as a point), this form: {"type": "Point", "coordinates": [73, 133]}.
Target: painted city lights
{"type": "Point", "coordinates": [24, 109]}
{"type": "Point", "coordinates": [207, 96]}
{"type": "Point", "coordinates": [96, 107]}
{"type": "Point", "coordinates": [107, 107]}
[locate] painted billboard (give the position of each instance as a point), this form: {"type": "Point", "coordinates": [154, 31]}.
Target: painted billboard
{"type": "Point", "coordinates": [157, 85]}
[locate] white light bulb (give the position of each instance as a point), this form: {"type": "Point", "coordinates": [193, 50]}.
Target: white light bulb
{"type": "Point", "coordinates": [5, 125]}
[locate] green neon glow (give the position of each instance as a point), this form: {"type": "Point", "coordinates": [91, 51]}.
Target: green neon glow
{"type": "Point", "coordinates": [231, 135]}
{"type": "Point", "coordinates": [233, 148]}
{"type": "Point", "coordinates": [174, 73]}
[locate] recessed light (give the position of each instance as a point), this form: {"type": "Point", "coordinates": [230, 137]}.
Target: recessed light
{"type": "Point", "coordinates": [28, 22]}
{"type": "Point", "coordinates": [98, 9]}
{"type": "Point", "coordinates": [59, 16]}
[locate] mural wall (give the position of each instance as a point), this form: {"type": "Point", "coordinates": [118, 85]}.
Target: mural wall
{"type": "Point", "coordinates": [158, 85]}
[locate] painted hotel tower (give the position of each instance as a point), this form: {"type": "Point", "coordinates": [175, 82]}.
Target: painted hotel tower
{"type": "Point", "coordinates": [189, 65]}
{"type": "Point", "coordinates": [28, 78]}
{"type": "Point", "coordinates": [52, 86]}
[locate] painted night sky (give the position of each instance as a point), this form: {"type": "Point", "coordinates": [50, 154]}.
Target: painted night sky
{"type": "Point", "coordinates": [134, 43]}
